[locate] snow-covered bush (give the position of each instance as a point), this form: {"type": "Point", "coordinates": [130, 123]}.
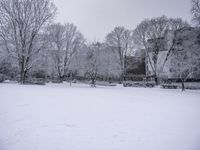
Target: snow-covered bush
{"type": "Point", "coordinates": [138, 84]}
{"type": "Point", "coordinates": [169, 86]}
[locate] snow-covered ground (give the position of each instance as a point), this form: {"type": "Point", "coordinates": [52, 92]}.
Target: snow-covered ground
{"type": "Point", "coordinates": [59, 117]}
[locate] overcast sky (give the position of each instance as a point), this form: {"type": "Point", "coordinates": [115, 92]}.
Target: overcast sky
{"type": "Point", "coordinates": [95, 18]}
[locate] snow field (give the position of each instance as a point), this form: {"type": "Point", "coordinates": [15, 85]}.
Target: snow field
{"type": "Point", "coordinates": [60, 117]}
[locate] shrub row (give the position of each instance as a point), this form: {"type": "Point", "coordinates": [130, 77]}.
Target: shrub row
{"type": "Point", "coordinates": [169, 86]}
{"type": "Point", "coordinates": [138, 84]}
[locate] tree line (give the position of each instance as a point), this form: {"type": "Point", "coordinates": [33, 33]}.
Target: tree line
{"type": "Point", "coordinates": [32, 43]}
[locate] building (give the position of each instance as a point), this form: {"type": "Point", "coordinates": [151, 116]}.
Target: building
{"type": "Point", "coordinates": [185, 40]}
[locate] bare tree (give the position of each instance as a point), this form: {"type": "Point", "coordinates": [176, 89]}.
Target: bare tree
{"type": "Point", "coordinates": [120, 40]}
{"type": "Point", "coordinates": [174, 26]}
{"type": "Point", "coordinates": [185, 59]}
{"type": "Point", "coordinates": [92, 63]}
{"type": "Point", "coordinates": [153, 35]}
{"type": "Point", "coordinates": [64, 42]}
{"type": "Point", "coordinates": [195, 10]}
{"type": "Point", "coordinates": [56, 37]}
{"type": "Point", "coordinates": [141, 34]}
{"type": "Point", "coordinates": [74, 40]}
{"type": "Point", "coordinates": [110, 63]}
{"type": "Point", "coordinates": [21, 23]}
{"type": "Point", "coordinates": [183, 66]}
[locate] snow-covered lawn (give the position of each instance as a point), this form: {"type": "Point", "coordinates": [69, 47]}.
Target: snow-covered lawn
{"type": "Point", "coordinates": [59, 117]}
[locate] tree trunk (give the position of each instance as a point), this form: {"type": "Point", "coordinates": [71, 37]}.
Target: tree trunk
{"type": "Point", "coordinates": [65, 70]}
{"type": "Point", "coordinates": [22, 71]}
{"type": "Point", "coordinates": [60, 74]}
{"type": "Point", "coordinates": [183, 85]}
{"type": "Point", "coordinates": [70, 78]}
{"type": "Point", "coordinates": [60, 78]}
{"type": "Point", "coordinates": [122, 74]}
{"type": "Point", "coordinates": [22, 77]}
{"type": "Point", "coordinates": [156, 80]}
{"type": "Point", "coordinates": [65, 61]}
{"type": "Point", "coordinates": [122, 78]}
{"type": "Point", "coordinates": [93, 83]}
